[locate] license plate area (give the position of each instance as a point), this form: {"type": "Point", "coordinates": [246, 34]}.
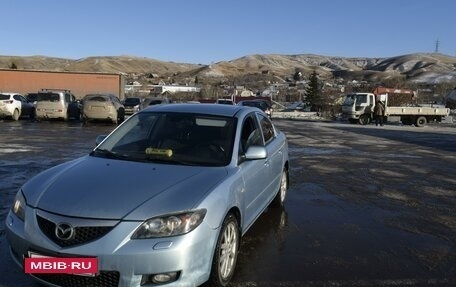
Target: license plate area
{"type": "Point", "coordinates": [39, 263]}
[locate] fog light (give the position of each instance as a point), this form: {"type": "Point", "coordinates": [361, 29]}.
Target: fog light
{"type": "Point", "coordinates": [164, 278]}
{"type": "Point", "coordinates": [161, 278]}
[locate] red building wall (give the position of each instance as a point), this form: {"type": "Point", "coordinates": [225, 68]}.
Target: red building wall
{"type": "Point", "coordinates": [80, 84]}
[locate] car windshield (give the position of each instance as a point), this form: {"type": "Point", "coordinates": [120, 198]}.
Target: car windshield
{"type": "Point", "coordinates": [172, 138]}
{"type": "Point", "coordinates": [155, 102]}
{"type": "Point", "coordinates": [132, 101]}
{"type": "Point", "coordinates": [48, 97]}
{"type": "Point", "coordinates": [360, 99]}
{"type": "Point", "coordinates": [349, 100]}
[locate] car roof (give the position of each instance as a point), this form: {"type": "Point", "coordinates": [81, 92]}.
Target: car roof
{"type": "Point", "coordinates": [209, 109]}
{"type": "Point", "coordinates": [99, 95]}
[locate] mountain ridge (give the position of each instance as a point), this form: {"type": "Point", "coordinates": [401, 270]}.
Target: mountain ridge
{"type": "Point", "coordinates": [417, 67]}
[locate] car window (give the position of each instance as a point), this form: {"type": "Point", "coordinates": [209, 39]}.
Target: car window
{"type": "Point", "coordinates": [267, 128]}
{"type": "Point", "coordinates": [250, 135]}
{"type": "Point", "coordinates": [132, 101]}
{"type": "Point", "coordinates": [49, 97]}
{"type": "Point", "coordinates": [4, 97]}
{"type": "Point", "coordinates": [17, 98]}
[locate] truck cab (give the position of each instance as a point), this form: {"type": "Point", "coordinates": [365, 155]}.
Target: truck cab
{"type": "Point", "coordinates": [358, 107]}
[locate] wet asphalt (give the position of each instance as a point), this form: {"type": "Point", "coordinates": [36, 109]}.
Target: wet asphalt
{"type": "Point", "coordinates": [367, 205]}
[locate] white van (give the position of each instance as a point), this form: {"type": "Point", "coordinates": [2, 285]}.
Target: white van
{"type": "Point", "coordinates": [57, 104]}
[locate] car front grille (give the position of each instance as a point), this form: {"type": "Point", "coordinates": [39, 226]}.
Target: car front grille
{"type": "Point", "coordinates": [82, 234]}
{"type": "Point", "coordinates": [104, 279]}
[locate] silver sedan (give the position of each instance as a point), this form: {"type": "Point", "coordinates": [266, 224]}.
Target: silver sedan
{"type": "Point", "coordinates": [164, 199]}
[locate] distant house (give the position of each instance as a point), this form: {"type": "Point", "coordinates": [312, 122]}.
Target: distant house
{"type": "Point", "coordinates": [171, 89]}
{"type": "Point", "coordinates": [246, 93]}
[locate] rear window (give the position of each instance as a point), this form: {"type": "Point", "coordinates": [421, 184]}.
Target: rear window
{"type": "Point", "coordinates": [4, 97]}
{"type": "Point", "coordinates": [96, 99]}
{"type": "Point", "coordinates": [48, 97]}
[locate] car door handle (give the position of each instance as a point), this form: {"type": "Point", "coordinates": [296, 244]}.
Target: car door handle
{"type": "Point", "coordinates": [266, 162]}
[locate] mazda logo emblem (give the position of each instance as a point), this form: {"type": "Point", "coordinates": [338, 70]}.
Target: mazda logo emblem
{"type": "Point", "coordinates": [64, 231]}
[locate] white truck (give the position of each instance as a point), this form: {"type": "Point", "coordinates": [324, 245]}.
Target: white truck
{"type": "Point", "coordinates": [359, 107]}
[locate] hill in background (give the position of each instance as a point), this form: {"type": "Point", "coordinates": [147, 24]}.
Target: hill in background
{"type": "Point", "coordinates": [419, 68]}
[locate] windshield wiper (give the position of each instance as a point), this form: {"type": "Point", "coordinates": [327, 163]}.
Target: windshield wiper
{"type": "Point", "coordinates": [168, 161]}
{"type": "Point", "coordinates": [107, 153]}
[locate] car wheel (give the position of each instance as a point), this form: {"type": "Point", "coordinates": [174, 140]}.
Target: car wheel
{"type": "Point", "coordinates": [226, 252]}
{"type": "Point", "coordinates": [279, 199]}
{"type": "Point", "coordinates": [15, 115]}
{"type": "Point", "coordinates": [421, 121]}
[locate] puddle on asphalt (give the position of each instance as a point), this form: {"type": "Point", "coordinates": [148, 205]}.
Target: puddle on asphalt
{"type": "Point", "coordinates": [320, 236]}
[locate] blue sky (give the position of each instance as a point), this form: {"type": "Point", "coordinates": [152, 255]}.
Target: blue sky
{"type": "Point", "coordinates": [207, 31]}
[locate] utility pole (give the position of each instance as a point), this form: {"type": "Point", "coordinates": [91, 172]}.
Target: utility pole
{"type": "Point", "coordinates": [437, 43]}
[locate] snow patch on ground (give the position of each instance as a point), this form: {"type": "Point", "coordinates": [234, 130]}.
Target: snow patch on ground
{"type": "Point", "coordinates": [297, 115]}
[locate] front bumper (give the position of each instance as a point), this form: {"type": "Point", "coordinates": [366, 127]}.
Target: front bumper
{"type": "Point", "coordinates": [348, 116]}
{"type": "Point", "coordinates": [131, 110]}
{"type": "Point", "coordinates": [130, 261]}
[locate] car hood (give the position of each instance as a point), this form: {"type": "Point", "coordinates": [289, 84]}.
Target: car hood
{"type": "Point", "coordinates": [93, 187]}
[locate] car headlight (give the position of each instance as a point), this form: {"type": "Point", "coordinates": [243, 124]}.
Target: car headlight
{"type": "Point", "coordinates": [170, 225]}
{"type": "Point", "coordinates": [18, 207]}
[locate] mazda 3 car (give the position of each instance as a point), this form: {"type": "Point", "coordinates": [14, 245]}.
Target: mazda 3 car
{"type": "Point", "coordinates": [162, 200]}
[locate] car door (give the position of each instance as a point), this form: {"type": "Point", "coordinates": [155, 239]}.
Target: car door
{"type": "Point", "coordinates": [253, 172]}
{"type": "Point", "coordinates": [274, 149]}
{"type": "Point", "coordinates": [22, 103]}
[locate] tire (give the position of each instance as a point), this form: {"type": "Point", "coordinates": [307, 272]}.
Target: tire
{"type": "Point", "coordinates": [421, 121]}
{"type": "Point", "coordinates": [279, 199]}
{"type": "Point", "coordinates": [226, 251]}
{"type": "Point", "coordinates": [16, 115]}
{"type": "Point", "coordinates": [364, 120]}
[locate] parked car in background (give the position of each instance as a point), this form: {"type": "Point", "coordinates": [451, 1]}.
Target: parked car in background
{"type": "Point", "coordinates": [15, 105]}
{"type": "Point", "coordinates": [57, 104]}
{"type": "Point", "coordinates": [263, 105]}
{"type": "Point", "coordinates": [102, 107]}
{"type": "Point", "coordinates": [31, 98]}
{"type": "Point", "coordinates": [224, 102]}
{"type": "Point", "coordinates": [132, 105]}
{"type": "Point", "coordinates": [163, 200]}
{"type": "Point", "coordinates": [152, 101]}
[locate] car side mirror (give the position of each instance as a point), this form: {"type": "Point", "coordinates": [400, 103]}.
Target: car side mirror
{"type": "Point", "coordinates": [255, 152]}
{"type": "Point", "coordinates": [99, 139]}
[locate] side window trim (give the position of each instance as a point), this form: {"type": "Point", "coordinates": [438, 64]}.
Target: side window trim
{"type": "Point", "coordinates": [262, 118]}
